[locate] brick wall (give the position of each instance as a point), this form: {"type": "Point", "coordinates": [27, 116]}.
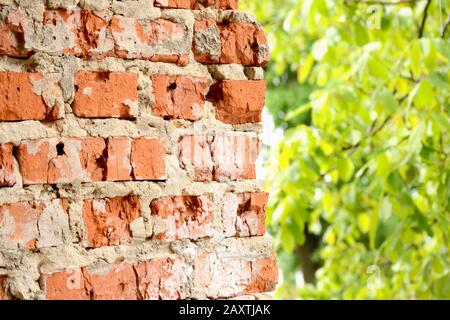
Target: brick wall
{"type": "Point", "coordinates": [129, 133]}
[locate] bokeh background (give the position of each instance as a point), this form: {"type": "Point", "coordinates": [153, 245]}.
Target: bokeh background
{"type": "Point", "coordinates": [357, 146]}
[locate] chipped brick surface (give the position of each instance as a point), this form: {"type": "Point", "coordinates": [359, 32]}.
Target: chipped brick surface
{"type": "Point", "coordinates": [4, 292]}
{"type": "Point", "coordinates": [89, 159]}
{"type": "Point", "coordinates": [108, 220]}
{"type": "Point", "coordinates": [21, 97]}
{"type": "Point", "coordinates": [178, 97]}
{"type": "Point", "coordinates": [147, 280]}
{"type": "Point", "coordinates": [196, 4]}
{"type": "Point", "coordinates": [106, 95]}
{"type": "Point", "coordinates": [238, 101]}
{"type": "Point", "coordinates": [62, 160]}
{"type": "Point", "coordinates": [220, 157]}
{"type": "Point", "coordinates": [7, 175]}
{"type": "Point", "coordinates": [244, 214]}
{"type": "Point", "coordinates": [230, 42]}
{"type": "Point", "coordinates": [129, 137]}
{"type": "Point", "coordinates": [184, 217]}
{"type": "Point", "coordinates": [224, 277]}
{"type": "Point", "coordinates": [34, 224]}
{"type": "Point", "coordinates": [12, 39]}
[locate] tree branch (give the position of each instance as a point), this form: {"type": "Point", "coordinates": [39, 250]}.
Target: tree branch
{"type": "Point", "coordinates": [424, 19]}
{"type": "Point", "coordinates": [445, 27]}
{"type": "Point", "coordinates": [372, 132]}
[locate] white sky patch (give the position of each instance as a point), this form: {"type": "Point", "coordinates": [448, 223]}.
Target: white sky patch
{"type": "Point", "coordinates": [270, 136]}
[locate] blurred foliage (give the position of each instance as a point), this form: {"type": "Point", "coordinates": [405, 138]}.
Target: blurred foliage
{"type": "Point", "coordinates": [362, 93]}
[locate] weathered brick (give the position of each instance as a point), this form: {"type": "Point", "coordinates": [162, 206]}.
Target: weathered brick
{"type": "Point", "coordinates": [238, 101]}
{"type": "Point", "coordinates": [155, 40]}
{"type": "Point", "coordinates": [87, 35]}
{"type": "Point", "coordinates": [220, 157]}
{"type": "Point", "coordinates": [7, 176]}
{"type": "Point", "coordinates": [34, 224]}
{"type": "Point", "coordinates": [183, 217]}
{"type": "Point", "coordinates": [22, 97]}
{"type": "Point", "coordinates": [161, 279]}
{"type": "Point", "coordinates": [78, 32]}
{"type": "Point", "coordinates": [147, 280]}
{"type": "Point", "coordinates": [62, 160]}
{"type": "Point", "coordinates": [91, 159]}
{"type": "Point", "coordinates": [118, 163]}
{"type": "Point", "coordinates": [230, 42]}
{"type": "Point", "coordinates": [225, 277]}
{"type": "Point", "coordinates": [244, 214]}
{"type": "Point", "coordinates": [12, 42]}
{"type": "Point", "coordinates": [106, 95]}
{"type": "Point", "coordinates": [108, 221]}
{"type": "Point", "coordinates": [148, 159]}
{"type": "Point", "coordinates": [119, 282]}
{"type": "Point", "coordinates": [3, 293]}
{"type": "Point", "coordinates": [178, 97]}
{"type": "Point", "coordinates": [196, 4]}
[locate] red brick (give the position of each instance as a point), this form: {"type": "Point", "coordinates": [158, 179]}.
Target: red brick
{"type": "Point", "coordinates": [123, 37]}
{"type": "Point", "coordinates": [220, 157]}
{"type": "Point", "coordinates": [148, 159]}
{"type": "Point", "coordinates": [34, 224]}
{"type": "Point", "coordinates": [244, 214]}
{"type": "Point", "coordinates": [91, 159]}
{"type": "Point", "coordinates": [161, 279]}
{"type": "Point", "coordinates": [62, 160]}
{"type": "Point", "coordinates": [108, 221]}
{"type": "Point", "coordinates": [196, 4]}
{"type": "Point", "coordinates": [238, 101]}
{"type": "Point", "coordinates": [148, 280]}
{"type": "Point", "coordinates": [7, 176]}
{"type": "Point", "coordinates": [118, 283]}
{"type": "Point", "coordinates": [118, 163]}
{"type": "Point", "coordinates": [12, 42]}
{"type": "Point", "coordinates": [2, 287]}
{"type": "Point", "coordinates": [19, 99]}
{"type": "Point", "coordinates": [90, 37]}
{"type": "Point", "coordinates": [242, 43]}
{"type": "Point", "coordinates": [106, 95]}
{"type": "Point", "coordinates": [225, 277]}
{"type": "Point", "coordinates": [184, 217]}
{"type": "Point", "coordinates": [178, 97]}
{"type": "Point", "coordinates": [143, 40]}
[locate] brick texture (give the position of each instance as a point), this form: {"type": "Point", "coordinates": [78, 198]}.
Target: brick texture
{"type": "Point", "coordinates": [66, 160]}
{"type": "Point", "coordinates": [220, 157]}
{"type": "Point", "coordinates": [178, 97]}
{"type": "Point", "coordinates": [106, 95]}
{"type": "Point", "coordinates": [7, 176]}
{"type": "Point", "coordinates": [12, 42]}
{"type": "Point", "coordinates": [108, 220]}
{"type": "Point", "coordinates": [183, 217]}
{"type": "Point", "coordinates": [21, 97]}
{"type": "Point", "coordinates": [148, 280]}
{"type": "Point", "coordinates": [244, 214]}
{"type": "Point", "coordinates": [129, 138]}
{"type": "Point", "coordinates": [34, 224]}
{"type": "Point", "coordinates": [219, 277]}
{"type": "Point", "coordinates": [196, 4]}
{"type": "Point", "coordinates": [230, 42]}
{"type": "Point", "coordinates": [238, 101]}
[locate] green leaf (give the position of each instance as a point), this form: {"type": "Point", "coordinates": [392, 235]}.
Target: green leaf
{"type": "Point", "coordinates": [383, 166]}
{"type": "Point", "coordinates": [373, 227]}
{"type": "Point", "coordinates": [345, 168]}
